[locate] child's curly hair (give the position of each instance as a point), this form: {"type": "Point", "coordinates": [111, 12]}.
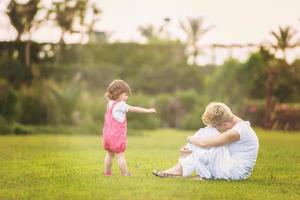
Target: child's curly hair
{"type": "Point", "coordinates": [116, 88]}
{"type": "Point", "coordinates": [216, 113]}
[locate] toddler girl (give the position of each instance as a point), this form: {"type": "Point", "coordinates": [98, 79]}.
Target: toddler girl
{"type": "Point", "coordinates": [114, 138]}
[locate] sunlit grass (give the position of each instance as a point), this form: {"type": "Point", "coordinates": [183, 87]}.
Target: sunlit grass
{"type": "Point", "coordinates": [70, 167]}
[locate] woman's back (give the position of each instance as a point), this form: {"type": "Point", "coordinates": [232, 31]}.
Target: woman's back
{"type": "Point", "coordinates": [244, 152]}
{"type": "Point", "coordinates": [247, 146]}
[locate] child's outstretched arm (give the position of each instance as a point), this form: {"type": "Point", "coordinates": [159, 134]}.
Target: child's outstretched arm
{"type": "Point", "coordinates": [140, 109]}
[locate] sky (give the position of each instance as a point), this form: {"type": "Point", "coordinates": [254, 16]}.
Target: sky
{"type": "Point", "coordinates": [234, 21]}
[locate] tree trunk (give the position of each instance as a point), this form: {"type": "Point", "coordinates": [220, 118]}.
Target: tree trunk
{"type": "Point", "coordinates": [61, 47]}
{"type": "Point", "coordinates": [213, 56]}
{"type": "Point", "coordinates": [28, 53]}
{"type": "Point", "coordinates": [195, 53]}
{"type": "Point", "coordinates": [269, 103]}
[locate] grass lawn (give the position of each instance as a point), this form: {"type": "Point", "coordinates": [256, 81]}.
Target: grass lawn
{"type": "Point", "coordinates": [70, 167]}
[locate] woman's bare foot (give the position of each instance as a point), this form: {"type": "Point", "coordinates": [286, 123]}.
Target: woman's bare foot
{"type": "Point", "coordinates": [176, 170]}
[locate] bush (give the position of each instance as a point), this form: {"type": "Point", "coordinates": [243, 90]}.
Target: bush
{"type": "Point", "coordinates": [253, 111]}
{"type": "Point", "coordinates": [12, 127]}
{"type": "Point", "coordinates": [8, 102]}
{"type": "Point", "coordinates": [286, 117]}
{"type": "Point", "coordinates": [92, 110]}
{"type": "Point", "coordinates": [5, 127]}
{"type": "Point", "coordinates": [170, 110]}
{"type": "Point", "coordinates": [47, 103]}
{"type": "Point", "coordinates": [15, 73]}
{"type": "Point", "coordinates": [188, 99]}
{"type": "Point", "coordinates": [193, 120]}
{"type": "Point", "coordinates": [142, 121]}
{"type": "Point", "coordinates": [32, 110]}
{"type": "Point", "coordinates": [283, 117]}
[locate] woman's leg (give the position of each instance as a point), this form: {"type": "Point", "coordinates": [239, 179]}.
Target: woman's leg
{"type": "Point", "coordinates": [177, 168]}
{"type": "Point", "coordinates": [108, 162]}
{"type": "Point", "coordinates": [122, 164]}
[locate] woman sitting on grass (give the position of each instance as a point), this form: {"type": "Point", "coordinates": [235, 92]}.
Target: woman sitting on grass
{"type": "Point", "coordinates": [230, 154]}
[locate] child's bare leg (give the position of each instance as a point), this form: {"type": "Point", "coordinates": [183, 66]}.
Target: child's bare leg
{"type": "Point", "coordinates": [122, 164]}
{"type": "Point", "coordinates": [108, 162]}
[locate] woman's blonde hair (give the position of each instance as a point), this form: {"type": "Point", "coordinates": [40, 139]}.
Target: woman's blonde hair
{"type": "Point", "coordinates": [216, 113]}
{"type": "Point", "coordinates": [116, 88]}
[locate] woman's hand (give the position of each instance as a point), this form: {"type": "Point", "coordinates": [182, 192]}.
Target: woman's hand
{"type": "Point", "coordinates": [185, 149]}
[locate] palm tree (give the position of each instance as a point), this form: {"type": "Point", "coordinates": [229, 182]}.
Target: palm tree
{"type": "Point", "coordinates": [22, 17]}
{"type": "Point", "coordinates": [284, 39]}
{"type": "Point", "coordinates": [96, 13]}
{"type": "Point", "coordinates": [270, 63]}
{"type": "Point", "coordinates": [65, 14]}
{"type": "Point", "coordinates": [149, 32]}
{"type": "Point", "coordinates": [194, 30]}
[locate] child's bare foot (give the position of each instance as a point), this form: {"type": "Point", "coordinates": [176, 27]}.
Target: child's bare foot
{"type": "Point", "coordinates": [107, 173]}
{"type": "Point", "coordinates": [127, 174]}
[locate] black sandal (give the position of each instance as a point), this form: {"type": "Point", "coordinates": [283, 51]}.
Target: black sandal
{"type": "Point", "coordinates": [162, 174]}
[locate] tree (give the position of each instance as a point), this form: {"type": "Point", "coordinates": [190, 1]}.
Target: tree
{"type": "Point", "coordinates": [72, 17]}
{"type": "Point", "coordinates": [194, 30]}
{"type": "Point", "coordinates": [22, 17]}
{"type": "Point", "coordinates": [159, 34]}
{"type": "Point", "coordinates": [270, 63]}
{"type": "Point", "coordinates": [284, 39]}
{"type": "Point", "coordinates": [149, 32]}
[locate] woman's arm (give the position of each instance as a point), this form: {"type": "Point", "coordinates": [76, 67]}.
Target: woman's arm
{"type": "Point", "coordinates": [215, 141]}
{"type": "Point", "coordinates": [140, 110]}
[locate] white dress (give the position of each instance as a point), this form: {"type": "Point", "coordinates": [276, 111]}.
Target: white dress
{"type": "Point", "coordinates": [233, 161]}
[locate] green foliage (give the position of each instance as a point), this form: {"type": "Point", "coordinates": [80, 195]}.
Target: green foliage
{"type": "Point", "coordinates": [225, 84]}
{"type": "Point", "coordinates": [8, 102]}
{"type": "Point", "coordinates": [15, 73]}
{"type": "Point", "coordinates": [46, 103]}
{"type": "Point", "coordinates": [287, 86]}
{"type": "Point", "coordinates": [254, 75]}
{"type": "Point", "coordinates": [253, 111]}
{"type": "Point", "coordinates": [32, 110]}
{"type": "Point", "coordinates": [193, 119]}
{"type": "Point", "coordinates": [161, 105]}
{"type": "Point", "coordinates": [189, 99]}
{"type": "Point", "coordinates": [286, 117]}
{"type": "Point", "coordinates": [22, 15]}
{"type": "Point", "coordinates": [71, 92]}
{"type": "Point", "coordinates": [142, 121]}
{"type": "Point", "coordinates": [7, 127]}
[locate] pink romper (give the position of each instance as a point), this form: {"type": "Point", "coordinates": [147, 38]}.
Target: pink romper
{"type": "Point", "coordinates": [114, 132]}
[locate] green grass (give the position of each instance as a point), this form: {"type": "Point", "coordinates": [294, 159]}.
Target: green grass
{"type": "Point", "coordinates": [70, 167]}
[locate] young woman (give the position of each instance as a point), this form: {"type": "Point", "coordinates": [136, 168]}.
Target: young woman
{"type": "Point", "coordinates": [229, 155]}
